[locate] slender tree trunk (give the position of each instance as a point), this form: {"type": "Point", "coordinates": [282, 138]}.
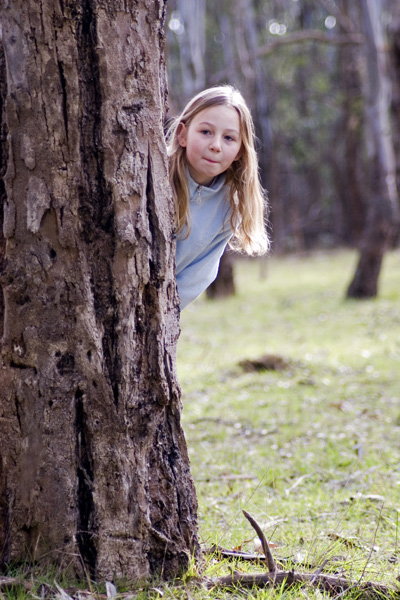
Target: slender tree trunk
{"type": "Point", "coordinates": [94, 471]}
{"type": "Point", "coordinates": [228, 46]}
{"type": "Point", "coordinates": [258, 87]}
{"type": "Point", "coordinates": [192, 45]}
{"type": "Point", "coordinates": [348, 165]}
{"type": "Point", "coordinates": [383, 213]}
{"type": "Point", "coordinates": [224, 285]}
{"type": "Point", "coordinates": [255, 89]}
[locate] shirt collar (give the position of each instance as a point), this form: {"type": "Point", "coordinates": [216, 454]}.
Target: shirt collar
{"type": "Point", "coordinates": [206, 191]}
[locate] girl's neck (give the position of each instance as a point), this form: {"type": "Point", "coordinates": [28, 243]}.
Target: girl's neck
{"type": "Point", "coordinates": [208, 184]}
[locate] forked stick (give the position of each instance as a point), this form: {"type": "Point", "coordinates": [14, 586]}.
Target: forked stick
{"type": "Point", "coordinates": [269, 559]}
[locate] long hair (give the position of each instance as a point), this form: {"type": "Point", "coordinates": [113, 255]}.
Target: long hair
{"type": "Point", "coordinates": [246, 197]}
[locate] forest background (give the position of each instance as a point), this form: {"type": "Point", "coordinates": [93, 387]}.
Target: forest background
{"type": "Point", "coordinates": [322, 78]}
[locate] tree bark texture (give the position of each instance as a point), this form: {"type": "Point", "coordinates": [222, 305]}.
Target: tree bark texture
{"type": "Point", "coordinates": [383, 211]}
{"type": "Point", "coordinates": [94, 471]}
{"type": "Point", "coordinates": [3, 167]}
{"type": "Point", "coordinates": [394, 51]}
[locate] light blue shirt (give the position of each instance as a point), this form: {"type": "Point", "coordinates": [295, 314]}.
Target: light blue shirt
{"type": "Point", "coordinates": [198, 256]}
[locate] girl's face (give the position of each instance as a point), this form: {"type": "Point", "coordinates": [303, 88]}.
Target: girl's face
{"type": "Point", "coordinates": [212, 141]}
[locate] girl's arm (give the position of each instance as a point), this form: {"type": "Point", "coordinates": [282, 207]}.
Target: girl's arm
{"type": "Point", "coordinates": [194, 279]}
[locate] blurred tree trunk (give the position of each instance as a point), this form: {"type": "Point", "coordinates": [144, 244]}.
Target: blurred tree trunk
{"type": "Point", "coordinates": [301, 204]}
{"type": "Point", "coordinates": [192, 44]}
{"type": "Point", "coordinates": [256, 86]}
{"type": "Point", "coordinates": [251, 78]}
{"type": "Point", "coordinates": [383, 210]}
{"type": "Point", "coordinates": [224, 285]}
{"type": "Point", "coordinates": [227, 46]}
{"type": "Point", "coordinates": [94, 472]}
{"type": "Point", "coordinates": [347, 163]}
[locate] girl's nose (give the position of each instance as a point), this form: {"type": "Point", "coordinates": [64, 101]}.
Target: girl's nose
{"type": "Point", "coordinates": [215, 144]}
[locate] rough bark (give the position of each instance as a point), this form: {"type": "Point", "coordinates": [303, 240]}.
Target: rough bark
{"type": "Point", "coordinates": [94, 472]}
{"type": "Point", "coordinates": [383, 212]}
{"type": "Point", "coordinates": [3, 167]}
{"type": "Point", "coordinates": [394, 52]}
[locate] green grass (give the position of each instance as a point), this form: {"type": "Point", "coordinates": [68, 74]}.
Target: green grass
{"type": "Point", "coordinates": [313, 451]}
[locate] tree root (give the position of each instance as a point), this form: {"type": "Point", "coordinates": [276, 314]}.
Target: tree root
{"type": "Point", "coordinates": [335, 585]}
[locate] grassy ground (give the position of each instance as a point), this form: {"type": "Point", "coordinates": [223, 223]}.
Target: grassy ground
{"type": "Point", "coordinates": [311, 451]}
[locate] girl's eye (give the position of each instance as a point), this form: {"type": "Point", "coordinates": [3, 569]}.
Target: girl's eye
{"type": "Point", "coordinates": [205, 131]}
{"type": "Point", "coordinates": [229, 138]}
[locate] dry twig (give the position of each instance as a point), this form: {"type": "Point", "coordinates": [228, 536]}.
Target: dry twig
{"type": "Point", "coordinates": [269, 559]}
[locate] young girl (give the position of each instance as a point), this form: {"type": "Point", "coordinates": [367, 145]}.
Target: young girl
{"type": "Point", "coordinates": [216, 188]}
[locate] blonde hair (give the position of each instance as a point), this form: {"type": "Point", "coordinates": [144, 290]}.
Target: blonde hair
{"type": "Point", "coordinates": [246, 197]}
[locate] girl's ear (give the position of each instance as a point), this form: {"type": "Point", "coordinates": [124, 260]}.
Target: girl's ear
{"type": "Point", "coordinates": [239, 154]}
{"type": "Point", "coordinates": [182, 135]}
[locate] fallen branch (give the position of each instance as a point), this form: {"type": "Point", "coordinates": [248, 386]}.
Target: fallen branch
{"type": "Point", "coordinates": [235, 554]}
{"type": "Point", "coordinates": [332, 584]}
{"type": "Point", "coordinates": [328, 583]}
{"type": "Point", "coordinates": [8, 583]}
{"type": "Point", "coordinates": [233, 477]}
{"type": "Point", "coordinates": [257, 558]}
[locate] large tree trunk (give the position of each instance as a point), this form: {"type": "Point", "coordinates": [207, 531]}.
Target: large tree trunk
{"type": "Point", "coordinates": [94, 471]}
{"type": "Point", "coordinates": [383, 213]}
{"type": "Point", "coordinates": [3, 168]}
